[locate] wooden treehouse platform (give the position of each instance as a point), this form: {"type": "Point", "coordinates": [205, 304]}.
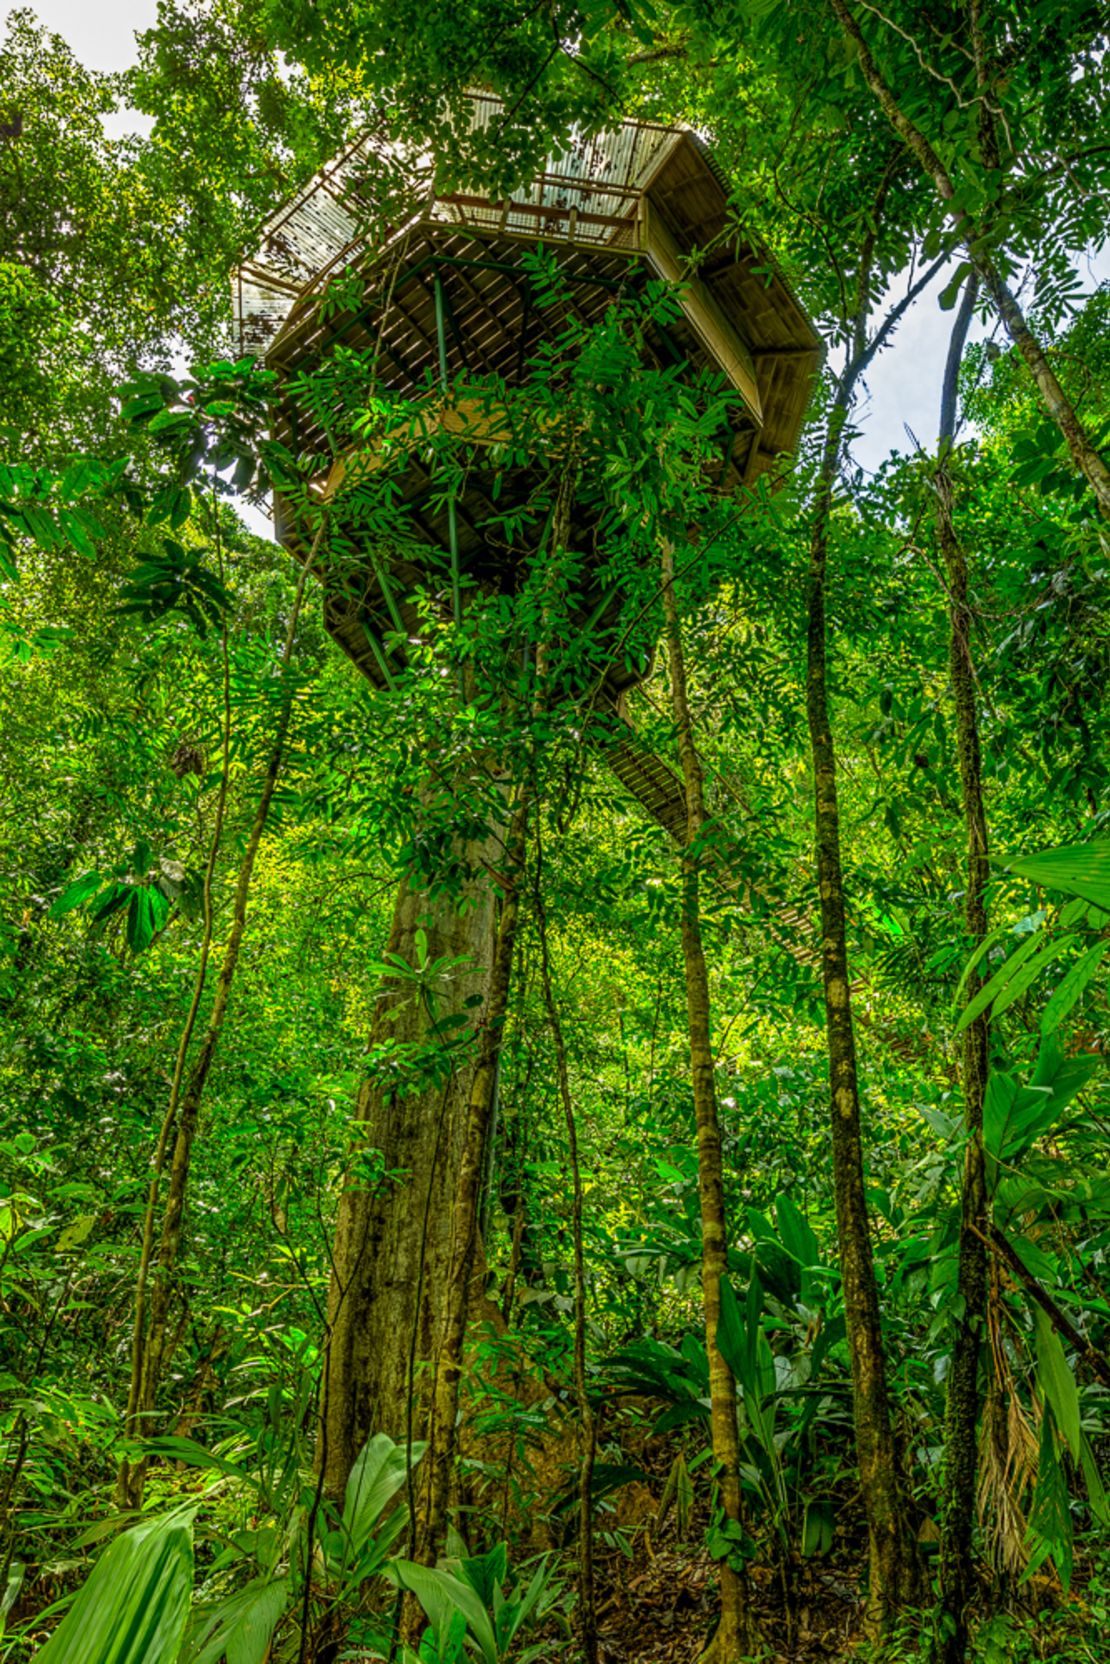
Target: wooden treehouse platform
{"type": "Point", "coordinates": [439, 290]}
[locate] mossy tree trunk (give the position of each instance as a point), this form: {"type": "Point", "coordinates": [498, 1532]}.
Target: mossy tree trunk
{"type": "Point", "coordinates": [893, 1569]}
{"type": "Point", "coordinates": [460, 1286]}
{"type": "Point", "coordinates": [734, 1636]}
{"type": "Point", "coordinates": [957, 1567]}
{"type": "Point", "coordinates": [894, 1572]}
{"type": "Point", "coordinates": [392, 1252]}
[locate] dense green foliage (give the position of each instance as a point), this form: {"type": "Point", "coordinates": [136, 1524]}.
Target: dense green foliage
{"type": "Point", "coordinates": [157, 668]}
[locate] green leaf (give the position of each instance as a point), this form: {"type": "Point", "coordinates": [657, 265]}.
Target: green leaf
{"type": "Point", "coordinates": [133, 1607]}
{"type": "Point", "coordinates": [794, 1230]}
{"type": "Point", "coordinates": [990, 990]}
{"type": "Point", "coordinates": [1072, 987]}
{"type": "Point", "coordinates": [1056, 1380]}
{"type": "Point", "coordinates": [1029, 973]}
{"type": "Point", "coordinates": [76, 894]}
{"type": "Point", "coordinates": [441, 1596]}
{"type": "Point", "coordinates": [176, 1448]}
{"type": "Point", "coordinates": [1050, 1532]}
{"type": "Point", "coordinates": [1015, 1116]}
{"type": "Point", "coordinates": [146, 914]}
{"type": "Point", "coordinates": [1077, 869]}
{"type": "Point", "coordinates": [1096, 1490]}
{"type": "Point", "coordinates": [950, 294]}
{"type": "Point", "coordinates": [240, 1628]}
{"type": "Point", "coordinates": [377, 1476]}
{"type": "Point", "coordinates": [732, 1337]}
{"type": "Point", "coordinates": [1015, 976]}
{"type": "Point", "coordinates": [818, 1528]}
{"type": "Point", "coordinates": [486, 1572]}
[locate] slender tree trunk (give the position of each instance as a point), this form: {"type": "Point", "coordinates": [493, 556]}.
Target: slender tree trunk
{"type": "Point", "coordinates": [1059, 407]}
{"type": "Point", "coordinates": [125, 1488]}
{"type": "Point", "coordinates": [957, 1572]}
{"type": "Point", "coordinates": [587, 1430]}
{"type": "Point", "coordinates": [893, 1563]}
{"type": "Point", "coordinates": [735, 1633]}
{"type": "Point", "coordinates": [156, 1273]}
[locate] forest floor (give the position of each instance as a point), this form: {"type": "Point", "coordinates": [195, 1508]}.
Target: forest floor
{"type": "Point", "coordinates": [662, 1612]}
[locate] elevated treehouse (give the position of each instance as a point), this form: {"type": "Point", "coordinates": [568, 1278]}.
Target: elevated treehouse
{"type": "Point", "coordinates": [437, 288]}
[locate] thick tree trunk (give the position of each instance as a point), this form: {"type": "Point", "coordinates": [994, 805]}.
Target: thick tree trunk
{"type": "Point", "coordinates": [392, 1254]}
{"type": "Point", "coordinates": [459, 1287]}
{"type": "Point", "coordinates": [957, 1572]}
{"type": "Point", "coordinates": [403, 1278]}
{"type": "Point", "coordinates": [733, 1639]}
{"type": "Point", "coordinates": [893, 1561]}
{"type": "Point", "coordinates": [432, 1517]}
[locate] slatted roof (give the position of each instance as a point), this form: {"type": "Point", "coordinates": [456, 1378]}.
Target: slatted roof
{"type": "Point", "coordinates": [642, 195]}
{"type": "Point", "coordinates": [434, 288]}
{"type": "Point", "coordinates": [377, 188]}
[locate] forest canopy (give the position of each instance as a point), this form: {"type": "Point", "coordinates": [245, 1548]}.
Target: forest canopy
{"type": "Point", "coordinates": [554, 866]}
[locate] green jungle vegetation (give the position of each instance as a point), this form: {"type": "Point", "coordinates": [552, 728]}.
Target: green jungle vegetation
{"type": "Point", "coordinates": [444, 1215]}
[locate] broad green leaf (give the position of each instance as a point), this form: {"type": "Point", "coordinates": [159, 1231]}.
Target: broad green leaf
{"type": "Point", "coordinates": [146, 914]}
{"type": "Point", "coordinates": [76, 1232]}
{"type": "Point", "coordinates": [133, 1607]}
{"type": "Point", "coordinates": [1072, 987]}
{"type": "Point", "coordinates": [485, 1572]}
{"type": "Point", "coordinates": [442, 1595]}
{"type": "Point", "coordinates": [377, 1476]}
{"type": "Point", "coordinates": [240, 1628]}
{"type": "Point", "coordinates": [1002, 1091]}
{"type": "Point", "coordinates": [1056, 1381]}
{"type": "Point", "coordinates": [732, 1339]}
{"type": "Point", "coordinates": [976, 959]}
{"type": "Point", "coordinates": [10, 1593]}
{"type": "Point", "coordinates": [1077, 869]}
{"type": "Point", "coordinates": [818, 1528]}
{"type": "Point", "coordinates": [989, 992]}
{"type": "Point", "coordinates": [1096, 1490]}
{"type": "Point", "coordinates": [1015, 1117]}
{"type": "Point", "coordinates": [1050, 1531]}
{"type": "Point", "coordinates": [794, 1230]}
{"type": "Point", "coordinates": [1017, 985]}
{"type": "Point", "coordinates": [249, 1641]}
{"type": "Point", "coordinates": [76, 893]}
{"type": "Point", "coordinates": [1014, 977]}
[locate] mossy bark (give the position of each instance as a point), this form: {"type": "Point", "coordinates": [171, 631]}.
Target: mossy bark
{"type": "Point", "coordinates": [893, 1565]}
{"type": "Point", "coordinates": [460, 1214]}
{"type": "Point", "coordinates": [961, 1422]}
{"type": "Point", "coordinates": [392, 1251]}
{"type": "Point", "coordinates": [735, 1632]}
